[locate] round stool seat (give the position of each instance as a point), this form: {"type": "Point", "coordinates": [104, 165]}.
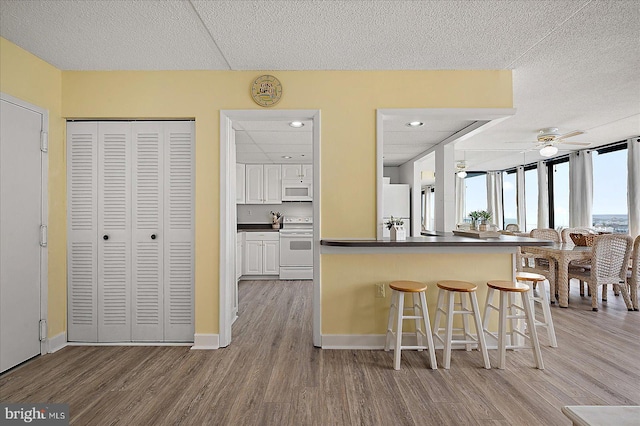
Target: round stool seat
{"type": "Point", "coordinates": [453, 285]}
{"type": "Point", "coordinates": [508, 286]}
{"type": "Point", "coordinates": [530, 276]}
{"type": "Point", "coordinates": [408, 286]}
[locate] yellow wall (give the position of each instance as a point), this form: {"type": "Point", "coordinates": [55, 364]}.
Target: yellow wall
{"type": "Point", "coordinates": [347, 99]}
{"type": "Point", "coordinates": [30, 79]}
{"type": "Point", "coordinates": [349, 284]}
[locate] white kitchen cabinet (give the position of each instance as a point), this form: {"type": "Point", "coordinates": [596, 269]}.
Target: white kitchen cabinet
{"type": "Point", "coordinates": [307, 172]}
{"type": "Point", "coordinates": [130, 231]}
{"type": "Point", "coordinates": [262, 253]}
{"type": "Point", "coordinates": [297, 172]}
{"type": "Point", "coordinates": [240, 185]}
{"type": "Point", "coordinates": [239, 267]}
{"type": "Point", "coordinates": [272, 184]}
{"type": "Point", "coordinates": [239, 252]}
{"type": "Point", "coordinates": [254, 182]}
{"type": "Point", "coordinates": [271, 257]}
{"type": "Point", "coordinates": [263, 184]}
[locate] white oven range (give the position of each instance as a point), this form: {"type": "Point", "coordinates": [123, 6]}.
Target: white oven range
{"type": "Point", "coordinates": [296, 248]}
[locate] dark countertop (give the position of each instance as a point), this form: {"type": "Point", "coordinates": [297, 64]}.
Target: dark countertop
{"type": "Point", "coordinates": [444, 240]}
{"type": "Point", "coordinates": [261, 227]}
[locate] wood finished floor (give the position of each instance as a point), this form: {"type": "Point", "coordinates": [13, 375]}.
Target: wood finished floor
{"type": "Point", "coordinates": [272, 375]}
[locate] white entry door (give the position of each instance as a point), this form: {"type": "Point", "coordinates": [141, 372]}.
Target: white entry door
{"type": "Point", "coordinates": [20, 221]}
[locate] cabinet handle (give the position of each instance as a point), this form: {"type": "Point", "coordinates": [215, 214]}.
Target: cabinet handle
{"type": "Point", "coordinates": [153, 236]}
{"type": "Point", "coordinates": [105, 237]}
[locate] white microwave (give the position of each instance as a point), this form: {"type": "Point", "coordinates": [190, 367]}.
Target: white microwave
{"type": "Point", "coordinates": [297, 191]}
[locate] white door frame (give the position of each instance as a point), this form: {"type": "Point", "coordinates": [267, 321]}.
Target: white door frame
{"type": "Point", "coordinates": [228, 219]}
{"type": "Point", "coordinates": [44, 214]}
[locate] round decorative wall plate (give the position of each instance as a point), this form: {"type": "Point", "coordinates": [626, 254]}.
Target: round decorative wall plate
{"type": "Point", "coordinates": [266, 90]}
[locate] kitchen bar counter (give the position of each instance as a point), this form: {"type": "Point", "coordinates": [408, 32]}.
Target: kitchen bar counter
{"type": "Point", "coordinates": [443, 240]}
{"type": "Point", "coordinates": [353, 269]}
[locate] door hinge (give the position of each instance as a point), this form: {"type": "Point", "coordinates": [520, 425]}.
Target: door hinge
{"type": "Point", "coordinates": [44, 141]}
{"type": "Point", "coordinates": [43, 235]}
{"type": "Point", "coordinates": [43, 329]}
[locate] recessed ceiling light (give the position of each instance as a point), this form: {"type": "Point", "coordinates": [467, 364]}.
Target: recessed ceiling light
{"type": "Point", "coordinates": [415, 124]}
{"type": "Point", "coordinates": [296, 124]}
{"type": "Point", "coordinates": [286, 157]}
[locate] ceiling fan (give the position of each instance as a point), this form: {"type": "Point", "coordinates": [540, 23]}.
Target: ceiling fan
{"type": "Point", "coordinates": [549, 137]}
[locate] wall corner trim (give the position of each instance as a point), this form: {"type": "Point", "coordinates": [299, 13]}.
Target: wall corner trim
{"type": "Point", "coordinates": [57, 342]}
{"type": "Point", "coordinates": [206, 341]}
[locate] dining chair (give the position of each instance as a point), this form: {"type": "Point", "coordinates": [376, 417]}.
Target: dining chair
{"type": "Point", "coordinates": [608, 266]}
{"type": "Point", "coordinates": [584, 264]}
{"type": "Point", "coordinates": [512, 227]}
{"type": "Point", "coordinates": [566, 232]}
{"type": "Point", "coordinates": [633, 275]}
{"type": "Point", "coordinates": [539, 263]}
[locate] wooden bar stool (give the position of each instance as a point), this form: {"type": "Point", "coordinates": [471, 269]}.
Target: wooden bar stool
{"type": "Point", "coordinates": [420, 316]}
{"type": "Point", "coordinates": [462, 288]}
{"type": "Point", "coordinates": [508, 310]}
{"type": "Point", "coordinates": [543, 300]}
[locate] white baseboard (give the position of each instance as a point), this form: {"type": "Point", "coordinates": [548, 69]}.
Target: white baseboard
{"type": "Point", "coordinates": [57, 342]}
{"type": "Point", "coordinates": [377, 341]}
{"type": "Point", "coordinates": [206, 341]}
{"type": "Point", "coordinates": [353, 341]}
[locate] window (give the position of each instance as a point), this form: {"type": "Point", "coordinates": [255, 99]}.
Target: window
{"type": "Point", "coordinates": [610, 210]}
{"type": "Point", "coordinates": [560, 194]}
{"type": "Point", "coordinates": [531, 198]}
{"type": "Point", "coordinates": [428, 208]}
{"type": "Point", "coordinates": [475, 192]}
{"type": "Point", "coordinates": [509, 198]}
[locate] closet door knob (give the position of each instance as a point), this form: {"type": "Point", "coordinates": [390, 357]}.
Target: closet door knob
{"type": "Point", "coordinates": [153, 236]}
{"type": "Point", "coordinates": [105, 237]}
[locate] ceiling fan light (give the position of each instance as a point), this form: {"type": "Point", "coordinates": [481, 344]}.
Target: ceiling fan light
{"type": "Point", "coordinates": [548, 151]}
{"type": "Point", "coordinates": [462, 174]}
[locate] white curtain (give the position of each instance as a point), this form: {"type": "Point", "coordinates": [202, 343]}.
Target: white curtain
{"type": "Point", "coordinates": [543, 196]}
{"type": "Point", "coordinates": [460, 200]}
{"type": "Point", "coordinates": [580, 189]}
{"type": "Point", "coordinates": [494, 197]}
{"type": "Point", "coordinates": [633, 185]}
{"type": "Point", "coordinates": [520, 198]}
{"type": "Point", "coordinates": [427, 209]}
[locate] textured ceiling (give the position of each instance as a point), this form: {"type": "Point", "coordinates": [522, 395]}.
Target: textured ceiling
{"type": "Point", "coordinates": [575, 62]}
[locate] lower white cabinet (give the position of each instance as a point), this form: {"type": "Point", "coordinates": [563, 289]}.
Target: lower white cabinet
{"type": "Point", "coordinates": [262, 253]}
{"type": "Point", "coordinates": [239, 250]}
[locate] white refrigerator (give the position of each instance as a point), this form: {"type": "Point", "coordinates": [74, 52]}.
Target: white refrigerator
{"type": "Point", "coordinates": [396, 198]}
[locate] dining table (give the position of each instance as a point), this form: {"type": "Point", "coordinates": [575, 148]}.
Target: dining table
{"type": "Point", "coordinates": [562, 254]}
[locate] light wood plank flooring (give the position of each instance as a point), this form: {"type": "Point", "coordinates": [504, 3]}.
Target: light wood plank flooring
{"type": "Point", "coordinates": [272, 375]}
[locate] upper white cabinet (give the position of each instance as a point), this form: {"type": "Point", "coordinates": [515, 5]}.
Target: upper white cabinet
{"type": "Point", "coordinates": [298, 172]}
{"type": "Point", "coordinates": [240, 186]}
{"type": "Point", "coordinates": [263, 184]}
{"type": "Point", "coordinates": [297, 182]}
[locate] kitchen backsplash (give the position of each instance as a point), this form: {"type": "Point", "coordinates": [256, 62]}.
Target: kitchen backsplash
{"type": "Point", "coordinates": [261, 213]}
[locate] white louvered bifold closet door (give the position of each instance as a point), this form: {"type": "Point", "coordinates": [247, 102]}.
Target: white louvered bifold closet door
{"type": "Point", "coordinates": [82, 231]}
{"type": "Point", "coordinates": [178, 231]}
{"type": "Point", "coordinates": [114, 236]}
{"type": "Point", "coordinates": [130, 231]}
{"type": "Point", "coordinates": [148, 236]}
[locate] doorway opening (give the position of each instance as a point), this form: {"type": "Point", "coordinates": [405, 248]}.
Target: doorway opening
{"type": "Point", "coordinates": [230, 122]}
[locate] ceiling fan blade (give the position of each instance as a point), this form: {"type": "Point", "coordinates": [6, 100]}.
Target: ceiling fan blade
{"type": "Point", "coordinates": [570, 134]}
{"type": "Point", "coordinates": [574, 143]}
